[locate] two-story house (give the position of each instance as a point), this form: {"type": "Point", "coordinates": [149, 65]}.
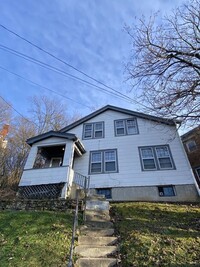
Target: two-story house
{"type": "Point", "coordinates": [191, 141]}
{"type": "Point", "coordinates": [128, 155]}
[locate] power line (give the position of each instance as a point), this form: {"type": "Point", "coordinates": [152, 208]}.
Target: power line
{"type": "Point", "coordinates": [41, 86]}
{"type": "Point", "coordinates": [64, 62]}
{"type": "Point", "coordinates": [57, 70]}
{"type": "Point", "coordinates": [17, 111]}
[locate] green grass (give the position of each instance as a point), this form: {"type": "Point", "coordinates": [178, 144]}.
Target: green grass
{"type": "Point", "coordinates": [154, 234]}
{"type": "Point", "coordinates": [38, 239]}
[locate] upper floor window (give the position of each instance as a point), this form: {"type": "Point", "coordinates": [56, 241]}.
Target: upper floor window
{"type": "Point", "coordinates": [191, 145]}
{"type": "Point", "coordinates": [198, 172]}
{"type": "Point", "coordinates": [103, 161]}
{"type": "Point", "coordinates": [93, 130]}
{"type": "Point", "coordinates": [156, 158]}
{"type": "Point", "coordinates": [126, 127]}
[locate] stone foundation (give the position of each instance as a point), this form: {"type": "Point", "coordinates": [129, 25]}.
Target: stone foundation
{"type": "Point", "coordinates": [51, 205]}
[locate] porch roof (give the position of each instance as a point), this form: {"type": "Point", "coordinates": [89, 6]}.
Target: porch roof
{"type": "Point", "coordinates": [69, 136]}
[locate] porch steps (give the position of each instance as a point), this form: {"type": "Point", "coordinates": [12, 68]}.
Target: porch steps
{"type": "Point", "coordinates": [97, 245]}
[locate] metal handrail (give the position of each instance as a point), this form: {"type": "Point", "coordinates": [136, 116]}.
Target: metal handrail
{"type": "Point", "coordinates": [83, 182]}
{"type": "Point", "coordinates": [75, 224]}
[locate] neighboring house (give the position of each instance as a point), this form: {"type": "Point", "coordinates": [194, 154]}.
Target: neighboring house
{"type": "Point", "coordinates": [3, 134]}
{"type": "Point", "coordinates": [191, 141]}
{"type": "Point", "coordinates": [128, 156]}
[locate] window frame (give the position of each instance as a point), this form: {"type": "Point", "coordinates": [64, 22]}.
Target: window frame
{"type": "Point", "coordinates": [93, 130]}
{"type": "Point", "coordinates": [194, 147]}
{"type": "Point", "coordinates": [156, 158]}
{"type": "Point", "coordinates": [161, 192]}
{"type": "Point", "coordinates": [103, 161]}
{"type": "Point", "coordinates": [126, 127]}
{"type": "Point", "coordinates": [55, 158]}
{"type": "Point", "coordinates": [98, 191]}
{"type": "Point", "coordinates": [198, 174]}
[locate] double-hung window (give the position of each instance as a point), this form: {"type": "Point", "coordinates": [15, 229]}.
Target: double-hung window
{"type": "Point", "coordinates": [156, 158]}
{"type": "Point", "coordinates": [103, 161]}
{"type": "Point", "coordinates": [148, 159]}
{"type": "Point", "coordinates": [126, 127]}
{"type": "Point", "coordinates": [93, 130]}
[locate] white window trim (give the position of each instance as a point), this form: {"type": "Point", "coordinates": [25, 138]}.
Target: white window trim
{"type": "Point", "coordinates": [103, 170]}
{"type": "Point", "coordinates": [93, 130]}
{"type": "Point", "coordinates": [169, 156]}
{"type": "Point", "coordinates": [126, 131]}
{"type": "Point", "coordinates": [93, 162]}
{"type": "Point", "coordinates": [153, 157]}
{"type": "Point", "coordinates": [156, 158]}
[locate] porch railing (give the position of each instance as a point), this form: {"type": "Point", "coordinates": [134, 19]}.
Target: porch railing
{"type": "Point", "coordinates": [82, 181]}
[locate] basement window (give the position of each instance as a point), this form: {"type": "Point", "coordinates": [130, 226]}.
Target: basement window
{"type": "Point", "coordinates": [49, 156]}
{"type": "Point", "coordinates": [166, 191]}
{"type": "Point", "coordinates": [105, 191]}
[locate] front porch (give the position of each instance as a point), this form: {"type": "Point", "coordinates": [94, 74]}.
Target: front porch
{"type": "Point", "coordinates": [50, 166]}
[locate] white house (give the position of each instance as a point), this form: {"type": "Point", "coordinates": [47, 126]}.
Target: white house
{"type": "Point", "coordinates": [128, 155]}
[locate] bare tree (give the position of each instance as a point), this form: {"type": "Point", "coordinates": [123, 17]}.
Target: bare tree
{"type": "Point", "coordinates": [48, 114]}
{"type": "Point", "coordinates": [165, 64]}
{"type": "Point", "coordinates": [16, 151]}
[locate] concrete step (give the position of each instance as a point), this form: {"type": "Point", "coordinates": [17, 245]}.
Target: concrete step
{"type": "Point", "coordinates": [96, 231]}
{"type": "Point", "coordinates": [96, 196]}
{"type": "Point", "coordinates": [97, 205]}
{"type": "Point", "coordinates": [92, 262]}
{"type": "Point", "coordinates": [95, 252]}
{"type": "Point", "coordinates": [97, 215]}
{"type": "Point", "coordinates": [97, 241]}
{"type": "Point", "coordinates": [97, 224]}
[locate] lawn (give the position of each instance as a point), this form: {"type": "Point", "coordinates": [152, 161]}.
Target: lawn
{"type": "Point", "coordinates": [154, 234]}
{"type": "Point", "coordinates": [34, 239]}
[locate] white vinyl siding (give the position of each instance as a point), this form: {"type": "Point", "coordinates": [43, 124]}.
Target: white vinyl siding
{"type": "Point", "coordinates": [103, 161]}
{"type": "Point", "coordinates": [93, 130]}
{"type": "Point", "coordinates": [126, 127]}
{"type": "Point", "coordinates": [156, 158]}
{"type": "Point", "coordinates": [129, 162]}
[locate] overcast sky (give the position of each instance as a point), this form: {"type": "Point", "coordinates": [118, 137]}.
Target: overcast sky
{"type": "Point", "coordinates": [87, 34]}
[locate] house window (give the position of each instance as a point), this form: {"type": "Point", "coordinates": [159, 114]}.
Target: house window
{"type": "Point", "coordinates": [93, 130]}
{"type": "Point", "coordinates": [105, 191]}
{"type": "Point", "coordinates": [191, 146]}
{"type": "Point", "coordinates": [55, 162]}
{"type": "Point", "coordinates": [126, 127]}
{"type": "Point", "coordinates": [104, 161]}
{"type": "Point", "coordinates": [166, 191]}
{"type": "Point", "coordinates": [156, 158]}
{"type": "Point", "coordinates": [198, 172]}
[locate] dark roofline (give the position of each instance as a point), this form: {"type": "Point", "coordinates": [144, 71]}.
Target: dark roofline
{"type": "Point", "coordinates": [69, 136]}
{"type": "Point", "coordinates": [186, 135]}
{"type": "Point", "coordinates": [126, 111]}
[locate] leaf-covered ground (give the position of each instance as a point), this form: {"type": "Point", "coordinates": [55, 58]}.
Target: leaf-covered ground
{"type": "Point", "coordinates": [34, 239]}
{"type": "Point", "coordinates": [154, 234]}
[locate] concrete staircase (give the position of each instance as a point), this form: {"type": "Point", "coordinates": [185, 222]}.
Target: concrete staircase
{"type": "Point", "coordinates": [96, 243]}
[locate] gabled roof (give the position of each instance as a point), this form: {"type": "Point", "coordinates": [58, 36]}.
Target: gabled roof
{"type": "Point", "coordinates": [122, 110]}
{"type": "Point", "coordinates": [190, 133]}
{"type": "Point", "coordinates": [49, 134]}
